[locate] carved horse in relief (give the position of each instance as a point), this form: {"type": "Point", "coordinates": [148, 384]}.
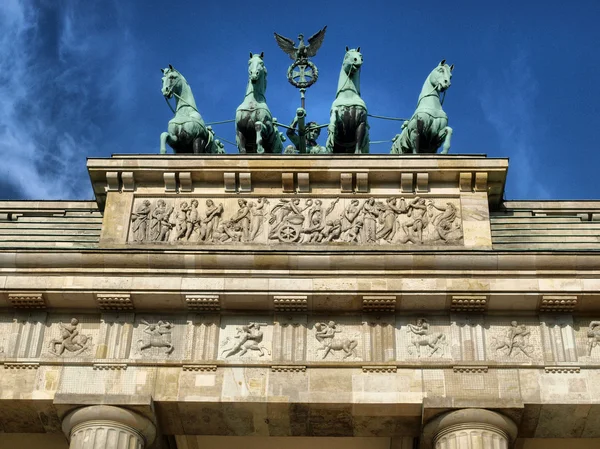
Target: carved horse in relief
{"type": "Point", "coordinates": [186, 132]}
{"type": "Point", "coordinates": [428, 128]}
{"type": "Point", "coordinates": [348, 127]}
{"type": "Point", "coordinates": [254, 125]}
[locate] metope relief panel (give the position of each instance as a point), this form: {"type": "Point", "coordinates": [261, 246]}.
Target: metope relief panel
{"type": "Point", "coordinates": [306, 221]}
{"type": "Point", "coordinates": [159, 337]}
{"type": "Point", "coordinates": [71, 336]}
{"type": "Point", "coordinates": [513, 340]}
{"type": "Point", "coordinates": [246, 338]}
{"type": "Point", "coordinates": [335, 339]}
{"type": "Point", "coordinates": [423, 338]}
{"type": "Point", "coordinates": [587, 339]}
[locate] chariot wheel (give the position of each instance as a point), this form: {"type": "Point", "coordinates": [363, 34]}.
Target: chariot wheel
{"type": "Point", "coordinates": [302, 74]}
{"type": "Point", "coordinates": [288, 234]}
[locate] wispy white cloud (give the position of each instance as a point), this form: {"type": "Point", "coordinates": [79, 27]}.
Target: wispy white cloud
{"type": "Point", "coordinates": [507, 98]}
{"type": "Point", "coordinates": [53, 92]}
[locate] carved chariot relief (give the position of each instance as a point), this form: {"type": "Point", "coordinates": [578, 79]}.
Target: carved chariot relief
{"type": "Point", "coordinates": [306, 221]}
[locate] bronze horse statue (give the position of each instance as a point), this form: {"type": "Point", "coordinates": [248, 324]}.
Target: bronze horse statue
{"type": "Point", "coordinates": [186, 132]}
{"type": "Point", "coordinates": [428, 127]}
{"type": "Point", "coordinates": [254, 125]}
{"type": "Point", "coordinates": [348, 127]}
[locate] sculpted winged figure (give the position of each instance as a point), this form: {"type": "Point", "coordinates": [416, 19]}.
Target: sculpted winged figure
{"type": "Point", "coordinates": [302, 51]}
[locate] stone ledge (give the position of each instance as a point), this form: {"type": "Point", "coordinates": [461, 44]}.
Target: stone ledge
{"type": "Point", "coordinates": [562, 369]}
{"type": "Point", "coordinates": [110, 366]}
{"type": "Point", "coordinates": [199, 367]}
{"type": "Point", "coordinates": [466, 369]}
{"type": "Point", "coordinates": [288, 368]}
{"type": "Point", "coordinates": [382, 369]}
{"type": "Point", "coordinates": [21, 365]}
{"type": "Point", "coordinates": [27, 300]}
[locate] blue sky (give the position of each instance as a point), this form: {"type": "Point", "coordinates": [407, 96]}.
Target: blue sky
{"type": "Point", "coordinates": [80, 78]}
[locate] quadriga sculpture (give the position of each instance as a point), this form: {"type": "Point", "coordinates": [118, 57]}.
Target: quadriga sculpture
{"type": "Point", "coordinates": [428, 127]}
{"type": "Point", "coordinates": [186, 132]}
{"type": "Point", "coordinates": [255, 130]}
{"type": "Point", "coordinates": [348, 127]}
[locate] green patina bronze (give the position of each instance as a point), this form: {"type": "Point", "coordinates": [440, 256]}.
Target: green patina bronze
{"type": "Point", "coordinates": [311, 133]}
{"type": "Point", "coordinates": [348, 126]}
{"type": "Point", "coordinates": [186, 132]}
{"type": "Point", "coordinates": [428, 127]}
{"type": "Point", "coordinates": [254, 125]}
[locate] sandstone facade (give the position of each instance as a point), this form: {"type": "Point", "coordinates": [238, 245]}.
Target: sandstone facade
{"type": "Point", "coordinates": [380, 300]}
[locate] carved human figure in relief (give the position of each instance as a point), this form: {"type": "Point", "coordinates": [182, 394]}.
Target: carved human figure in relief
{"type": "Point", "coordinates": [516, 340]}
{"type": "Point", "coordinates": [257, 212]}
{"type": "Point", "coordinates": [249, 338]}
{"type": "Point", "coordinates": [326, 335]}
{"type": "Point", "coordinates": [140, 221]}
{"type": "Point", "coordinates": [593, 334]}
{"type": "Point", "coordinates": [160, 227]}
{"type": "Point", "coordinates": [242, 219]}
{"type": "Point", "coordinates": [371, 213]}
{"type": "Point", "coordinates": [413, 228]}
{"type": "Point", "coordinates": [443, 220]}
{"type": "Point", "coordinates": [192, 219]}
{"type": "Point", "coordinates": [157, 335]}
{"type": "Point", "coordinates": [210, 222]}
{"type": "Point", "coordinates": [421, 336]}
{"type": "Point", "coordinates": [71, 340]}
{"type": "Point", "coordinates": [388, 218]}
{"type": "Point", "coordinates": [181, 221]}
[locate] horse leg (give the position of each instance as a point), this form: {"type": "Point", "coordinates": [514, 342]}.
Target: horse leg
{"type": "Point", "coordinates": [331, 131]}
{"type": "Point", "coordinates": [164, 139]}
{"type": "Point", "coordinates": [170, 349]}
{"type": "Point", "coordinates": [199, 145]}
{"type": "Point", "coordinates": [417, 139]}
{"type": "Point", "coordinates": [361, 132]}
{"type": "Point", "coordinates": [258, 126]}
{"type": "Point", "coordinates": [447, 140]}
{"type": "Point", "coordinates": [240, 139]}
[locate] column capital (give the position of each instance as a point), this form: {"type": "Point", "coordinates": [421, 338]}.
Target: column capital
{"type": "Point", "coordinates": [469, 419]}
{"type": "Point", "coordinates": [98, 415]}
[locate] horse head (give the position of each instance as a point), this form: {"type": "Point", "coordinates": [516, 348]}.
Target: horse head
{"type": "Point", "coordinates": [440, 76]}
{"type": "Point", "coordinates": [256, 67]}
{"type": "Point", "coordinates": [352, 61]}
{"type": "Point", "coordinates": [172, 82]}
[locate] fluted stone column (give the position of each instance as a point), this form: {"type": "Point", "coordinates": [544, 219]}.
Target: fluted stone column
{"type": "Point", "coordinates": [470, 428]}
{"type": "Point", "coordinates": [107, 427]}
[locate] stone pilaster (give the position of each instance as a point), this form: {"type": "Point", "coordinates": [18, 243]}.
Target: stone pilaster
{"type": "Point", "coordinates": [107, 427]}
{"type": "Point", "coordinates": [470, 429]}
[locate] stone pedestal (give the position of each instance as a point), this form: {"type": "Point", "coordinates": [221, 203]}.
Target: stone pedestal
{"type": "Point", "coordinates": [107, 427]}
{"type": "Point", "coordinates": [470, 429]}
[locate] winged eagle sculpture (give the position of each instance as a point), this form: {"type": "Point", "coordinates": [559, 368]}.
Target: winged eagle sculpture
{"type": "Point", "coordinates": [302, 51]}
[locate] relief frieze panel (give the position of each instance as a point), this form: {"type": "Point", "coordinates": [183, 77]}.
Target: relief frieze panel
{"type": "Point", "coordinates": [158, 337]}
{"type": "Point", "coordinates": [302, 339]}
{"type": "Point", "coordinates": [71, 336]}
{"type": "Point", "coordinates": [423, 338]}
{"type": "Point", "coordinates": [336, 339]}
{"type": "Point", "coordinates": [305, 221]}
{"type": "Point", "coordinates": [517, 340]}
{"type": "Point", "coordinates": [246, 338]}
